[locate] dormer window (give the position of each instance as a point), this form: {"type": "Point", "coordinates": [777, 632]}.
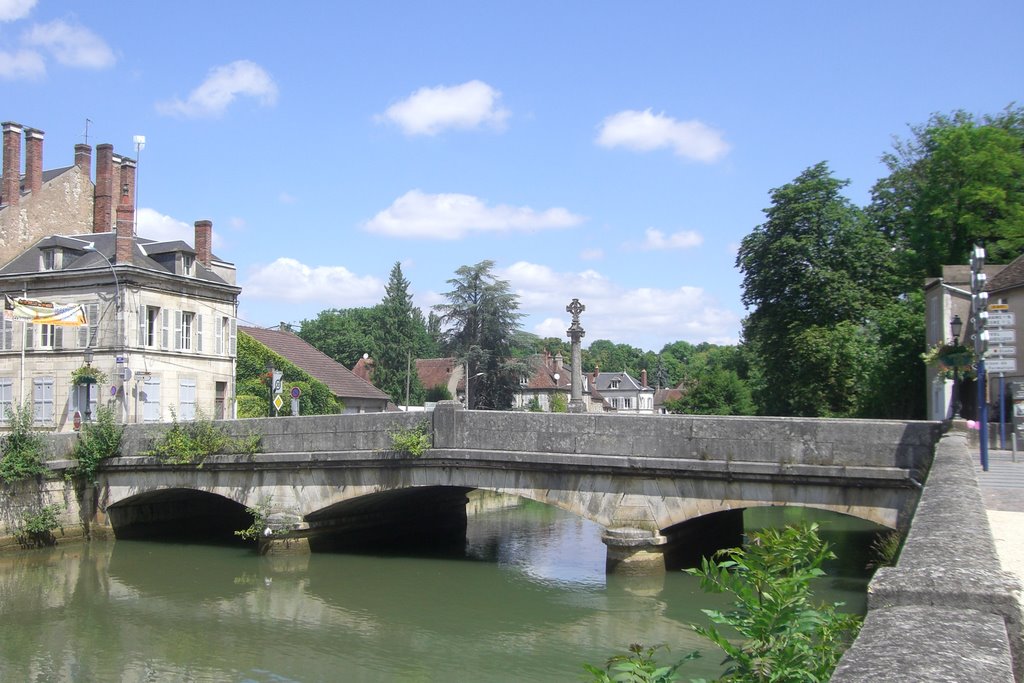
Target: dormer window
{"type": "Point", "coordinates": [187, 264]}
{"type": "Point", "coordinates": [614, 384]}
{"type": "Point", "coordinates": [50, 259]}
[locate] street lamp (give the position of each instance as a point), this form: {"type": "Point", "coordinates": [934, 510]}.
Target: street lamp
{"type": "Point", "coordinates": [88, 387]}
{"type": "Point", "coordinates": [956, 326]}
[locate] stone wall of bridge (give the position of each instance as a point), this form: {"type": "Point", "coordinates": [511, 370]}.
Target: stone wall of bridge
{"type": "Point", "coordinates": [946, 611]}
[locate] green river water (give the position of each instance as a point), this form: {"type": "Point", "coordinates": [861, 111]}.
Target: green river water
{"type": "Point", "coordinates": [528, 601]}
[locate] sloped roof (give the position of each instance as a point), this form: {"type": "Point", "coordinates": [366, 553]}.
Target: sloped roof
{"type": "Point", "coordinates": [545, 367]}
{"type": "Point", "coordinates": [106, 244]}
{"type": "Point", "coordinates": [435, 372]}
{"type": "Point", "coordinates": [1009, 277]}
{"type": "Point", "coordinates": [603, 381]}
{"type": "Point", "coordinates": [339, 379]}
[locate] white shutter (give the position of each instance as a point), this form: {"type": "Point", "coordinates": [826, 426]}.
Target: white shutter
{"type": "Point", "coordinates": [30, 341]}
{"type": "Point", "coordinates": [58, 337]}
{"type": "Point", "coordinates": [218, 336]}
{"type": "Point", "coordinates": [8, 340]}
{"type": "Point", "coordinates": [151, 406]}
{"type": "Point", "coordinates": [199, 333]}
{"type": "Point", "coordinates": [165, 329]}
{"type": "Point", "coordinates": [233, 338]}
{"type": "Point", "coordinates": [143, 324]}
{"type": "Point", "coordinates": [177, 330]}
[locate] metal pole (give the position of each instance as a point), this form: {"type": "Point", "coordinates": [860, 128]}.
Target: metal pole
{"type": "Point", "coordinates": [1002, 411]}
{"type": "Point", "coordinates": [983, 415]}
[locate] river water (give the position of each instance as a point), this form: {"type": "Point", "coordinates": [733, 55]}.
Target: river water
{"type": "Point", "coordinates": [528, 601]}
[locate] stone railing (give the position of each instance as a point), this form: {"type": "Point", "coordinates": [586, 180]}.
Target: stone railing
{"type": "Point", "coordinates": [946, 611]}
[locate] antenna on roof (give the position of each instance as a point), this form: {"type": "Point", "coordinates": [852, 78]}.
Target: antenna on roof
{"type": "Point", "coordinates": [87, 122]}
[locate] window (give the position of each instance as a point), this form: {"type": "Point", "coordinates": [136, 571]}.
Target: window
{"type": "Point", "coordinates": [88, 335]}
{"type": "Point", "coordinates": [187, 264]}
{"type": "Point", "coordinates": [50, 259]}
{"type": "Point", "coordinates": [187, 399]}
{"type": "Point", "coordinates": [220, 335]}
{"type": "Point", "coordinates": [42, 400]}
{"type": "Point", "coordinates": [150, 398]}
{"type": "Point", "coordinates": [614, 384]}
{"type": "Point", "coordinates": [76, 401]}
{"type": "Point", "coordinates": [184, 321]}
{"type": "Point", "coordinates": [6, 397]}
{"type": "Point", "coordinates": [6, 334]}
{"type": "Point", "coordinates": [50, 337]}
{"type": "Point", "coordinates": [627, 403]}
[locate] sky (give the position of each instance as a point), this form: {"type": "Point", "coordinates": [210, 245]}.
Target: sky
{"type": "Point", "coordinates": [614, 152]}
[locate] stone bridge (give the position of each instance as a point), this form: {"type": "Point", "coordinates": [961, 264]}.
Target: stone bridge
{"type": "Point", "coordinates": [653, 483]}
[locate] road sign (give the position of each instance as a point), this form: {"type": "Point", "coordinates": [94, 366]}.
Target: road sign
{"type": "Point", "coordinates": [278, 402]}
{"type": "Point", "coordinates": [1001, 365]}
{"type": "Point", "coordinates": [1000, 335]}
{"type": "Point", "coordinates": [296, 392]}
{"type": "Point", "coordinates": [999, 307]}
{"type": "Point", "coordinates": [997, 351]}
{"type": "Point", "coordinates": [1001, 319]}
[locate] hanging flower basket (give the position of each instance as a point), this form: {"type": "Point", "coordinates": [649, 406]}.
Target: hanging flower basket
{"type": "Point", "coordinates": [88, 375]}
{"type": "Point", "coordinates": [958, 359]}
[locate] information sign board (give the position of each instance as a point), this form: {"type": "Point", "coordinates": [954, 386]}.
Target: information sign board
{"type": "Point", "coordinates": [1001, 320]}
{"type": "Point", "coordinates": [998, 335]}
{"type": "Point", "coordinates": [1000, 351]}
{"type": "Point", "coordinates": [1001, 365]}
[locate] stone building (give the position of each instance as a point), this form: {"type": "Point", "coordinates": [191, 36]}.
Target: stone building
{"type": "Point", "coordinates": [161, 315]}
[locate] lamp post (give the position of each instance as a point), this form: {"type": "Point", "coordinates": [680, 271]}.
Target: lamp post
{"type": "Point", "coordinates": [956, 326]}
{"type": "Point", "coordinates": [88, 387]}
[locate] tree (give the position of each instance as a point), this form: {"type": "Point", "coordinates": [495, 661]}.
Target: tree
{"type": "Point", "coordinates": [343, 334]}
{"type": "Point", "coordinates": [481, 318]}
{"type": "Point", "coordinates": [717, 391]}
{"type": "Point", "coordinates": [398, 334]}
{"type": "Point", "coordinates": [956, 181]}
{"type": "Point", "coordinates": [814, 263]}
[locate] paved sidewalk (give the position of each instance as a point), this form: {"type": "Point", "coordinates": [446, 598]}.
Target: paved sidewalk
{"type": "Point", "coordinates": [1002, 489]}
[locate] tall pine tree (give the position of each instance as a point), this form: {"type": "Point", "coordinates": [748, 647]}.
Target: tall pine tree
{"type": "Point", "coordinates": [398, 338]}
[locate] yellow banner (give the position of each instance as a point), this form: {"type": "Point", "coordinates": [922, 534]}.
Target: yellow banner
{"type": "Point", "coordinates": [44, 312]}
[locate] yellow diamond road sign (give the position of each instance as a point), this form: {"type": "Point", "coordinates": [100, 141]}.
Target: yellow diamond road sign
{"type": "Point", "coordinates": [278, 402]}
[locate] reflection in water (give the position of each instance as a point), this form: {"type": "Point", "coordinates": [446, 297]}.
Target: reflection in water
{"type": "Point", "coordinates": [528, 602]}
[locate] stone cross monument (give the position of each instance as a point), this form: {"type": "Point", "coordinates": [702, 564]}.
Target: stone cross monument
{"type": "Point", "coordinates": [575, 334]}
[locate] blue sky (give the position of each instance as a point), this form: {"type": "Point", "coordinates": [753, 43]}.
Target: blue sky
{"type": "Point", "coordinates": [613, 152]}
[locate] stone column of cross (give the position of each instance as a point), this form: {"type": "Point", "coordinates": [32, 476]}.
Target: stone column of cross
{"type": "Point", "coordinates": [575, 334]}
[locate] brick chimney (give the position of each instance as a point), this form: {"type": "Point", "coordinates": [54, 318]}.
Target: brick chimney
{"type": "Point", "coordinates": [33, 159]}
{"type": "Point", "coordinates": [643, 377]}
{"type": "Point", "coordinates": [10, 193]}
{"type": "Point", "coordinates": [83, 159]}
{"type": "Point", "coordinates": [126, 188]}
{"type": "Point", "coordinates": [558, 361]}
{"type": "Point", "coordinates": [204, 242]}
{"type": "Point", "coordinates": [123, 238]}
{"type": "Point", "coordinates": [597, 369]}
{"type": "Point", "coordinates": [103, 207]}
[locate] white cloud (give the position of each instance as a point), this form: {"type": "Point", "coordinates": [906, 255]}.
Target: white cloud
{"type": "Point", "coordinates": [643, 131]}
{"type": "Point", "coordinates": [646, 317]}
{"type": "Point", "coordinates": [21, 65]}
{"type": "Point", "coordinates": [592, 254]}
{"type": "Point", "coordinates": [71, 45]}
{"type": "Point", "coordinates": [289, 280]}
{"type": "Point", "coordinates": [222, 86]}
{"type": "Point", "coordinates": [656, 239]}
{"type": "Point", "coordinates": [428, 111]}
{"type": "Point", "coordinates": [153, 225]}
{"type": "Point", "coordinates": [452, 216]}
{"type": "Point", "coordinates": [12, 10]}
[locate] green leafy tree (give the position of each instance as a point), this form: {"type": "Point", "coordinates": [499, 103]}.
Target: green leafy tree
{"type": "Point", "coordinates": [717, 391]}
{"type": "Point", "coordinates": [343, 334]}
{"type": "Point", "coordinates": [958, 180]}
{"type": "Point", "coordinates": [481, 317]}
{"type": "Point", "coordinates": [813, 263]}
{"type": "Point", "coordinates": [397, 340]}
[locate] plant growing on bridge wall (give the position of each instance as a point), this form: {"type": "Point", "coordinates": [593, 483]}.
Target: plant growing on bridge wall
{"type": "Point", "coordinates": [415, 441]}
{"type": "Point", "coordinates": [781, 635]}
{"type": "Point", "coordinates": [97, 441]}
{"type": "Point", "coordinates": [36, 529]}
{"type": "Point", "coordinates": [189, 442]}
{"type": "Point", "coordinates": [259, 512]}
{"type": "Point", "coordinates": [21, 450]}
{"type": "Point", "coordinates": [639, 666]}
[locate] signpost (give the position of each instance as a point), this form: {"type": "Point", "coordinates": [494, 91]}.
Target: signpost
{"type": "Point", "coordinates": [1002, 355]}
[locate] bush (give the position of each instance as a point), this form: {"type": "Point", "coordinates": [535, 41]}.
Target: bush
{"type": "Point", "coordinates": [190, 442]}
{"type": "Point", "coordinates": [21, 451]}
{"type": "Point", "coordinates": [36, 528]}
{"type": "Point", "coordinates": [97, 441]}
{"type": "Point", "coordinates": [780, 635]}
{"type": "Point", "coordinates": [414, 442]}
{"type": "Point", "coordinates": [252, 406]}
{"type": "Point", "coordinates": [259, 513]}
